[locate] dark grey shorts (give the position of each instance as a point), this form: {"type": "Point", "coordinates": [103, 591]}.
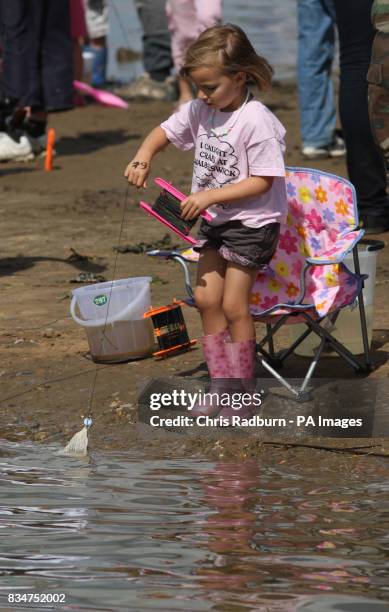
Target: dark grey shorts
{"type": "Point", "coordinates": [247, 246]}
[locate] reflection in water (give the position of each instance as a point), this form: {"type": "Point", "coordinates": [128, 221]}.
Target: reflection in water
{"type": "Point", "coordinates": [235, 576]}
{"type": "Point", "coordinates": [121, 532]}
{"type": "Point", "coordinates": [229, 489]}
{"type": "Point", "coordinates": [254, 534]}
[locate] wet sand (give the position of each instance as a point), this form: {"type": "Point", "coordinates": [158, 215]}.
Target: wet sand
{"type": "Point", "coordinates": [47, 219]}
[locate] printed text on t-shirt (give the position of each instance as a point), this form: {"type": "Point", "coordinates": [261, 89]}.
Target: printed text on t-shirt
{"type": "Point", "coordinates": [215, 162]}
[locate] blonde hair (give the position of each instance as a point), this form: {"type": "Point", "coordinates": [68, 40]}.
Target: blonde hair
{"type": "Point", "coordinates": [228, 47]}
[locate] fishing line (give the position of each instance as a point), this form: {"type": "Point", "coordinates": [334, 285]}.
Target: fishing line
{"type": "Point", "coordinates": [103, 336]}
{"type": "Point", "coordinates": [96, 368]}
{"type": "Point", "coordinates": [50, 381]}
{"type": "Point", "coordinates": [78, 445]}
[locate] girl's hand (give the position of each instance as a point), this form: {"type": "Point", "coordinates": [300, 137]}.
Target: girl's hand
{"type": "Point", "coordinates": [137, 172]}
{"type": "Point", "coordinates": [192, 206]}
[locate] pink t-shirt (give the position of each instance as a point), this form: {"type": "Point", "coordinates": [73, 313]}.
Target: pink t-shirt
{"type": "Point", "coordinates": [254, 146]}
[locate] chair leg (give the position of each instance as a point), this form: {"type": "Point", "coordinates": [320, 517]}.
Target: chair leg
{"type": "Point", "coordinates": [286, 352]}
{"type": "Point", "coordinates": [365, 338]}
{"type": "Point", "coordinates": [339, 348]}
{"type": "Point", "coordinates": [277, 359]}
{"type": "Point", "coordinates": [313, 365]}
{"type": "Point", "coordinates": [273, 358]}
{"type": "Point", "coordinates": [280, 379]}
{"type": "Point", "coordinates": [362, 313]}
{"type": "Point", "coordinates": [300, 394]}
{"type": "Point", "coordinates": [325, 336]}
{"type": "Point", "coordinates": [270, 340]}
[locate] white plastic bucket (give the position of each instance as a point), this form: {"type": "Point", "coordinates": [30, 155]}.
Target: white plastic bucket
{"type": "Point", "coordinates": [112, 315]}
{"type": "Point", "coordinates": [348, 325]}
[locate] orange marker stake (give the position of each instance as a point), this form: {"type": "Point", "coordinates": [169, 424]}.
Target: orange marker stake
{"type": "Point", "coordinates": [49, 150]}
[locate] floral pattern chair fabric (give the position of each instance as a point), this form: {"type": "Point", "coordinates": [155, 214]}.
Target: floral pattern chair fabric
{"type": "Point", "coordinates": [307, 271]}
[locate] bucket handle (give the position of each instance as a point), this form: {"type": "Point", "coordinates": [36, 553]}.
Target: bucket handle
{"type": "Point", "coordinates": [372, 245]}
{"type": "Point", "coordinates": [108, 320]}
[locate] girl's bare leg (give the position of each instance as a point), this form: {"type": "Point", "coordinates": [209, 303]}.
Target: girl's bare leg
{"type": "Point", "coordinates": [238, 283]}
{"type": "Point", "coordinates": [209, 291]}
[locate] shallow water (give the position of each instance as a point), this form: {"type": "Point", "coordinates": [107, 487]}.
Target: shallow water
{"type": "Point", "coordinates": [270, 25]}
{"type": "Point", "coordinates": [118, 531]}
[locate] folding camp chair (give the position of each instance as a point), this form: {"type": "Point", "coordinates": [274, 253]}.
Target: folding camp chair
{"type": "Point", "coordinates": [307, 281]}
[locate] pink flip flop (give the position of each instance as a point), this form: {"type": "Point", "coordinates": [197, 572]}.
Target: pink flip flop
{"type": "Point", "coordinates": [100, 95]}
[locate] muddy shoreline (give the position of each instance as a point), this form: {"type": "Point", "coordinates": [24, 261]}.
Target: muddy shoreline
{"type": "Point", "coordinates": [57, 226]}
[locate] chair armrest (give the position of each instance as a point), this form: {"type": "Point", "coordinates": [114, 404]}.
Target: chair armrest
{"type": "Point", "coordinates": [187, 255]}
{"type": "Point", "coordinates": [338, 251]}
{"type": "Point", "coordinates": [162, 253]}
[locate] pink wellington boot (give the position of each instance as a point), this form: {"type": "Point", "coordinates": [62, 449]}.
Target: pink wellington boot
{"type": "Point", "coordinates": [214, 348]}
{"type": "Point", "coordinates": [241, 359]}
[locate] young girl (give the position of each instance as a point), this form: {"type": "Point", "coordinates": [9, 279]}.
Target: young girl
{"type": "Point", "coordinates": [238, 177]}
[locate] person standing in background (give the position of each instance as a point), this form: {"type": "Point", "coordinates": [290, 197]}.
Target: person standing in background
{"type": "Point", "coordinates": [97, 26]}
{"type": "Point", "coordinates": [315, 55]}
{"type": "Point", "coordinates": [78, 33]}
{"type": "Point", "coordinates": [378, 78]}
{"type": "Point", "coordinates": [156, 82]}
{"type": "Point", "coordinates": [365, 163]}
{"type": "Point", "coordinates": [186, 20]}
{"type": "Point", "coordinates": [37, 73]}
